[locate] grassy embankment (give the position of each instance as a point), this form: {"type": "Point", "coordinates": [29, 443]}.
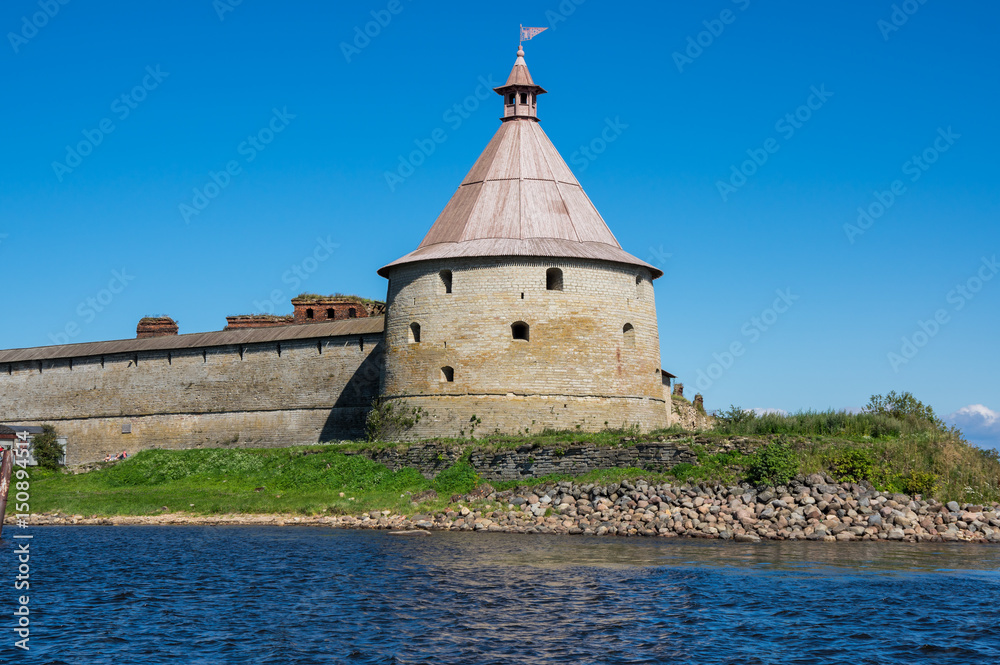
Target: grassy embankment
{"type": "Point", "coordinates": [898, 454]}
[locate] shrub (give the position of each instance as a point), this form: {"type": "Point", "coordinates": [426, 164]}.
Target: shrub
{"type": "Point", "coordinates": [901, 406]}
{"type": "Point", "coordinates": [774, 464]}
{"type": "Point", "coordinates": [46, 448]}
{"type": "Point", "coordinates": [387, 420]}
{"type": "Point", "coordinates": [853, 466]}
{"type": "Point", "coordinates": [736, 415]}
{"type": "Point", "coordinates": [917, 482]}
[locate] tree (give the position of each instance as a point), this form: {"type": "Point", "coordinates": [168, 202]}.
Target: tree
{"type": "Point", "coordinates": [46, 448]}
{"type": "Point", "coordinates": [901, 406]}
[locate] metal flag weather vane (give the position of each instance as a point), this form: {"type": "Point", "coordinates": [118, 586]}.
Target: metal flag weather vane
{"type": "Point", "coordinates": [528, 33]}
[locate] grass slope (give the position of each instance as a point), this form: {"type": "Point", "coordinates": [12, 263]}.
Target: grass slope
{"type": "Point", "coordinates": [307, 480]}
{"type": "Point", "coordinates": [895, 454]}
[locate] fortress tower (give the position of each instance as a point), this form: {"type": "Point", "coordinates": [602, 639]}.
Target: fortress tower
{"type": "Point", "coordinates": [520, 310]}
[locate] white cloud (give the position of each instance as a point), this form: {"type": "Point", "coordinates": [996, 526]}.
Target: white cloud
{"type": "Point", "coordinates": [760, 411]}
{"type": "Point", "coordinates": [979, 424]}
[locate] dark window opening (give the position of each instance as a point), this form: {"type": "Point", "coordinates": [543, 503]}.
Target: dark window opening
{"type": "Point", "coordinates": [331, 313]}
{"type": "Point", "coordinates": [524, 98]}
{"type": "Point", "coordinates": [446, 280]}
{"type": "Point", "coordinates": [447, 374]}
{"type": "Point", "coordinates": [519, 330]}
{"type": "Point", "coordinates": [628, 333]}
{"type": "Point", "coordinates": [510, 99]}
{"type": "Point", "coordinates": [309, 313]}
{"type": "Point", "coordinates": [414, 333]}
{"type": "Point", "coordinates": [554, 279]}
{"type": "Point", "coordinates": [352, 313]}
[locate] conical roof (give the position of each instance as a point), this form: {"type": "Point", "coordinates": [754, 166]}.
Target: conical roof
{"type": "Point", "coordinates": [520, 199]}
{"type": "Point", "coordinates": [519, 74]}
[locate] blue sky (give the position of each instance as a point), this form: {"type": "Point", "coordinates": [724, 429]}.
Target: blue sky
{"type": "Point", "coordinates": [749, 135]}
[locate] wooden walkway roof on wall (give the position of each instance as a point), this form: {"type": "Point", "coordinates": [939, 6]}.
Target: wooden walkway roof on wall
{"type": "Point", "coordinates": [363, 326]}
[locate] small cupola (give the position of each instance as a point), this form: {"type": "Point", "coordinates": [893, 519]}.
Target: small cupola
{"type": "Point", "coordinates": [520, 94]}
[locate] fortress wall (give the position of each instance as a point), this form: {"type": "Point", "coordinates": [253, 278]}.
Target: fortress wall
{"type": "Point", "coordinates": [244, 395]}
{"type": "Point", "coordinates": [534, 461]}
{"type": "Point", "coordinates": [576, 369]}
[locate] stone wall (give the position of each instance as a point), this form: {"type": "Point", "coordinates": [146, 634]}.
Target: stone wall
{"type": "Point", "coordinates": [687, 416]}
{"type": "Point", "coordinates": [578, 368]}
{"type": "Point", "coordinates": [265, 394]}
{"type": "Point", "coordinates": [531, 461]}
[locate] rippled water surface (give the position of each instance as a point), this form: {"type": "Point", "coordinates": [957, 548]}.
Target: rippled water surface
{"type": "Point", "coordinates": [132, 595]}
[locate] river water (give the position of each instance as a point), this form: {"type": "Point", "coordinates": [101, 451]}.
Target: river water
{"type": "Point", "coordinates": [297, 595]}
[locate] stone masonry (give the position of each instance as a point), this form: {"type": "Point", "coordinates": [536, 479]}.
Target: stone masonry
{"type": "Point", "coordinates": [591, 359]}
{"type": "Point", "coordinates": [268, 394]}
{"type": "Point", "coordinates": [532, 461]}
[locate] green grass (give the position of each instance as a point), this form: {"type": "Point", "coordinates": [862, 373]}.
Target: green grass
{"type": "Point", "coordinates": [543, 438]}
{"type": "Point", "coordinates": [305, 480]}
{"type": "Point", "coordinates": [894, 454]}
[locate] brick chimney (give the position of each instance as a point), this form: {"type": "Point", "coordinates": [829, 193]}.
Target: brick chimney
{"type": "Point", "coordinates": [155, 326]}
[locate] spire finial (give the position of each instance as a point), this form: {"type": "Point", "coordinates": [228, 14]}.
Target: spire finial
{"type": "Point", "coordinates": [520, 51]}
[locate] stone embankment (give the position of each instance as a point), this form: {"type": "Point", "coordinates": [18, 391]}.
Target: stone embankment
{"type": "Point", "coordinates": [813, 508]}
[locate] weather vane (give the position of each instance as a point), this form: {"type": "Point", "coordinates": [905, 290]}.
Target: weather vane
{"type": "Point", "coordinates": [528, 33]}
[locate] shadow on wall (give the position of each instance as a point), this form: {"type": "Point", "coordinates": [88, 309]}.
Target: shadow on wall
{"type": "Point", "coordinates": [347, 417]}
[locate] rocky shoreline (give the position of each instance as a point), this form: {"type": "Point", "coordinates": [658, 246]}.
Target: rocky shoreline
{"type": "Point", "coordinates": [809, 508]}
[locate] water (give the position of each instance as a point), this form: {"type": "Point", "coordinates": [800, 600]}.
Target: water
{"type": "Point", "coordinates": [134, 595]}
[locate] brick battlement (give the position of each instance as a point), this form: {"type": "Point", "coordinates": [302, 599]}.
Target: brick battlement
{"type": "Point", "coordinates": [257, 321]}
{"type": "Point", "coordinates": [155, 326]}
{"type": "Point", "coordinates": [315, 309]}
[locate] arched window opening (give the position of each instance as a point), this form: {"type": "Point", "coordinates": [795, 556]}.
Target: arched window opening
{"type": "Point", "coordinates": [352, 313]}
{"type": "Point", "coordinates": [331, 313]}
{"type": "Point", "coordinates": [310, 314]}
{"type": "Point", "coordinates": [554, 279]}
{"type": "Point", "coordinates": [519, 330]}
{"type": "Point", "coordinates": [628, 333]}
{"type": "Point", "coordinates": [510, 98]}
{"type": "Point", "coordinates": [524, 98]}
{"type": "Point", "coordinates": [447, 374]}
{"type": "Point", "coordinates": [446, 280]}
{"type": "Point", "coordinates": [414, 333]}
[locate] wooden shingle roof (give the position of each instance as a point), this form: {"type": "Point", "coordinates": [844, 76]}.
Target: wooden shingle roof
{"type": "Point", "coordinates": [363, 326]}
{"type": "Point", "coordinates": [519, 75]}
{"type": "Point", "coordinates": [520, 199]}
